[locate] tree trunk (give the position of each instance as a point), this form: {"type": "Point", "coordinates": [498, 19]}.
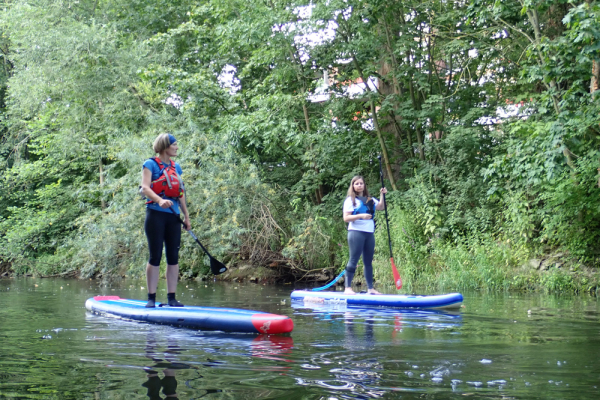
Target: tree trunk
{"type": "Point", "coordinates": [417, 107]}
{"type": "Point", "coordinates": [319, 189]}
{"type": "Point", "coordinates": [533, 17]}
{"type": "Point", "coordinates": [294, 54]}
{"type": "Point", "coordinates": [101, 169]}
{"type": "Point", "coordinates": [595, 77]}
{"type": "Point", "coordinates": [383, 146]}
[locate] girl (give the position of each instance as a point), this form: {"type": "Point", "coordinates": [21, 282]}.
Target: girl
{"type": "Point", "coordinates": [163, 187]}
{"type": "Point", "coordinates": [359, 211]}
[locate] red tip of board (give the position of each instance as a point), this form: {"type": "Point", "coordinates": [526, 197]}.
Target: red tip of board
{"type": "Point", "coordinates": [272, 323]}
{"type": "Point", "coordinates": [100, 298]}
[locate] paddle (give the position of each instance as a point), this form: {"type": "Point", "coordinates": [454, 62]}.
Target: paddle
{"type": "Point", "coordinates": [397, 279]}
{"type": "Point", "coordinates": [217, 267]}
{"type": "Point", "coordinates": [330, 283]}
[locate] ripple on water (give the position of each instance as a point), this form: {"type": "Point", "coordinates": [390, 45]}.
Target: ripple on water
{"type": "Point", "coordinates": [309, 366]}
{"type": "Point", "coordinates": [440, 372]}
{"type": "Point", "coordinates": [476, 384]}
{"type": "Point", "coordinates": [342, 354]}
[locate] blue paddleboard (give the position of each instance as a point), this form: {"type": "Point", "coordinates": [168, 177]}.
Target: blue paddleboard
{"type": "Point", "coordinates": [204, 318]}
{"type": "Point", "coordinates": [440, 301]}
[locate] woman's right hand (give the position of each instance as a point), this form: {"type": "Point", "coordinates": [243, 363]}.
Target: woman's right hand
{"type": "Point", "coordinates": [365, 216]}
{"type": "Point", "coordinates": [163, 203]}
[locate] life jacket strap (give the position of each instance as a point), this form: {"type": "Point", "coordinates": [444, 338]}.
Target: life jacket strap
{"type": "Point", "coordinates": [163, 170]}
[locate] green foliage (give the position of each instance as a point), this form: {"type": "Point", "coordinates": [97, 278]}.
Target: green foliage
{"type": "Point", "coordinates": [316, 243]}
{"type": "Point", "coordinates": [558, 281]}
{"type": "Point", "coordinates": [485, 118]}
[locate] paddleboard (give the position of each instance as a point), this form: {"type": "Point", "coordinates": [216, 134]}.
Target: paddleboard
{"type": "Point", "coordinates": [441, 301]}
{"type": "Point", "coordinates": [203, 318]}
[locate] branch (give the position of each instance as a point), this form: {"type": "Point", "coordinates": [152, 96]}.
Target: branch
{"type": "Point", "coordinates": [517, 29]}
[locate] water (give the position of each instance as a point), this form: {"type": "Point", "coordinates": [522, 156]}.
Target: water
{"type": "Point", "coordinates": [499, 346]}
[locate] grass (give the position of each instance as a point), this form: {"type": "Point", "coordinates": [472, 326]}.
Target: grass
{"type": "Point", "coordinates": [481, 263]}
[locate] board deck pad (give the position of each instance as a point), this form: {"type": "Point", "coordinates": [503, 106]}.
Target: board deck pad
{"type": "Point", "coordinates": [441, 301]}
{"type": "Point", "coordinates": [203, 318]}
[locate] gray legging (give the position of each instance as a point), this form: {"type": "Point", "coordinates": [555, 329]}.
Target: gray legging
{"type": "Point", "coordinates": [360, 243]}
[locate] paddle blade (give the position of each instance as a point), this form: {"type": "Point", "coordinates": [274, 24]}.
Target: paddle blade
{"type": "Point", "coordinates": [397, 279]}
{"type": "Point", "coordinates": [216, 266]}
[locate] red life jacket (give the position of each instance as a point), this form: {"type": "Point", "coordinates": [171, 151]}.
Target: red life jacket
{"type": "Point", "coordinates": [169, 183]}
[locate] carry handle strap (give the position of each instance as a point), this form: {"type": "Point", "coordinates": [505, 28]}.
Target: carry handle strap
{"type": "Point", "coordinates": [167, 178]}
{"type": "Point", "coordinates": [163, 171]}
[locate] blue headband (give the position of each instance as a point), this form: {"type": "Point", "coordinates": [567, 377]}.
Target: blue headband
{"type": "Point", "coordinates": [171, 139]}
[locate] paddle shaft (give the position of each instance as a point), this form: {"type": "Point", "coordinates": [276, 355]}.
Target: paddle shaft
{"type": "Point", "coordinates": [192, 233]}
{"type": "Point", "coordinates": [397, 278]}
{"type": "Point", "coordinates": [385, 208]}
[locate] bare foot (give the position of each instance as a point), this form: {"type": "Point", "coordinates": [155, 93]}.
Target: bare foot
{"type": "Point", "coordinates": [349, 291]}
{"type": "Point", "coordinates": [373, 291]}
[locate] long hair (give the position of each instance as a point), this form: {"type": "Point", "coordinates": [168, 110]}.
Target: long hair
{"type": "Point", "coordinates": [352, 193]}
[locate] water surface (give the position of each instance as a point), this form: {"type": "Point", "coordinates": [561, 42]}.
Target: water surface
{"type": "Point", "coordinates": [522, 346]}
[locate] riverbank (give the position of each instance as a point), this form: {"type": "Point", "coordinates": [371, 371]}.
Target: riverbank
{"type": "Point", "coordinates": [526, 279]}
{"type": "Point", "coordinates": [491, 266]}
{"type": "Point", "coordinates": [548, 275]}
{"type": "Point", "coordinates": [497, 267]}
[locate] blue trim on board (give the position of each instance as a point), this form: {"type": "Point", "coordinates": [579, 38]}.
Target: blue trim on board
{"type": "Point", "coordinates": [442, 301]}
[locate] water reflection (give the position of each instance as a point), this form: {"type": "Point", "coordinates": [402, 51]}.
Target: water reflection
{"type": "Point", "coordinates": [167, 358]}
{"type": "Point", "coordinates": [361, 370]}
{"type": "Point", "coordinates": [500, 346]}
{"type": "Point", "coordinates": [399, 318]}
{"type": "Point", "coordinates": [168, 385]}
{"type": "Point", "coordinates": [165, 361]}
{"type": "Point", "coordinates": [352, 374]}
{"type": "Point", "coordinates": [360, 376]}
{"type": "Point", "coordinates": [354, 340]}
{"type": "Point", "coordinates": [272, 347]}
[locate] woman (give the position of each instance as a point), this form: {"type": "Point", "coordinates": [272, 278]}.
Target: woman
{"type": "Point", "coordinates": [163, 187]}
{"type": "Point", "coordinates": [359, 211]}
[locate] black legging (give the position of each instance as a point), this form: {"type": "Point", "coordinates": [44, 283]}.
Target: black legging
{"type": "Point", "coordinates": [162, 227]}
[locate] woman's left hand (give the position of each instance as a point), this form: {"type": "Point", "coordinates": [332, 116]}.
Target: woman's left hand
{"type": "Point", "coordinates": [383, 190]}
{"type": "Point", "coordinates": [187, 225]}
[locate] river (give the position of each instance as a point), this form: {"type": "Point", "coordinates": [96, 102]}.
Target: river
{"type": "Point", "coordinates": [499, 346]}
